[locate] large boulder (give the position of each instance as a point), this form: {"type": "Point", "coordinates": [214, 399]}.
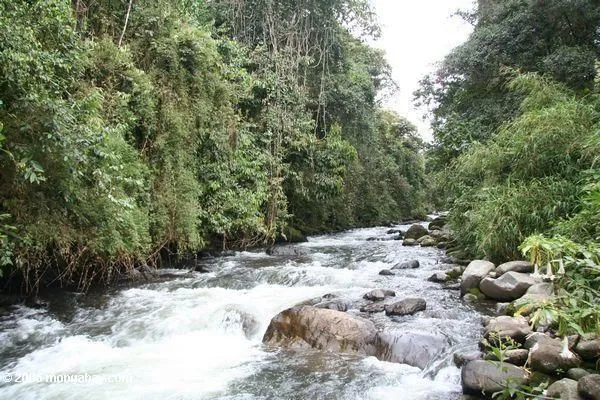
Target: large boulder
{"type": "Point", "coordinates": [564, 389]}
{"type": "Point", "coordinates": [378, 294]}
{"type": "Point", "coordinates": [504, 326]}
{"type": "Point", "coordinates": [488, 377]}
{"type": "Point", "coordinates": [514, 266]}
{"type": "Point", "coordinates": [406, 307]}
{"type": "Point", "coordinates": [547, 355]}
{"type": "Point", "coordinates": [323, 329]}
{"type": "Point", "coordinates": [473, 274]}
{"type": "Point", "coordinates": [535, 296]}
{"type": "Point", "coordinates": [412, 264]}
{"type": "Point", "coordinates": [589, 387]}
{"type": "Point", "coordinates": [461, 358]}
{"type": "Point", "coordinates": [589, 350]}
{"type": "Point", "coordinates": [415, 231]}
{"type": "Point", "coordinates": [437, 223]}
{"type": "Point", "coordinates": [510, 286]}
{"type": "Point", "coordinates": [412, 348]}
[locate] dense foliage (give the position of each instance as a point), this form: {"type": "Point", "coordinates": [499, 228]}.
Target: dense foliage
{"type": "Point", "coordinates": [516, 117]}
{"type": "Point", "coordinates": [132, 129]}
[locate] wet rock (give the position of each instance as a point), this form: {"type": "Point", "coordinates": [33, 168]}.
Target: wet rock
{"type": "Point", "coordinates": [395, 232]}
{"type": "Point", "coordinates": [470, 298]}
{"type": "Point", "coordinates": [373, 308]}
{"type": "Point", "coordinates": [589, 387]}
{"type": "Point", "coordinates": [427, 241]}
{"type": "Point", "coordinates": [514, 266]}
{"type": "Point", "coordinates": [442, 245]}
{"type": "Point", "coordinates": [502, 308]}
{"type": "Point", "coordinates": [386, 272]}
{"type": "Point", "coordinates": [514, 356]}
{"type": "Point", "coordinates": [323, 329]}
{"type": "Point", "coordinates": [378, 294]}
{"type": "Point", "coordinates": [287, 250]}
{"type": "Point", "coordinates": [473, 274]}
{"type": "Point", "coordinates": [316, 300]}
{"type": "Point", "coordinates": [564, 389]}
{"type": "Point", "coordinates": [488, 377]}
{"type": "Point", "coordinates": [439, 277]}
{"type": "Point", "coordinates": [502, 327]}
{"type": "Point", "coordinates": [407, 306]}
{"type": "Point", "coordinates": [510, 286]}
{"type": "Point", "coordinates": [412, 348]}
{"type": "Point", "coordinates": [577, 373]}
{"type": "Point", "coordinates": [337, 305]}
{"type": "Point", "coordinates": [409, 242]}
{"type": "Point", "coordinates": [35, 302]}
{"type": "Point", "coordinates": [415, 231]}
{"type": "Point", "coordinates": [398, 237]}
{"type": "Point", "coordinates": [546, 355]}
{"type": "Point", "coordinates": [437, 224]}
{"type": "Point", "coordinates": [589, 350]}
{"type": "Point", "coordinates": [461, 358]}
{"type": "Point", "coordinates": [412, 264]}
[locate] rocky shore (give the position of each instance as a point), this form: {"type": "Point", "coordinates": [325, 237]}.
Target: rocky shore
{"type": "Point", "coordinates": [510, 354]}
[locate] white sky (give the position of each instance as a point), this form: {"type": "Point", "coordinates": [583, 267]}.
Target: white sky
{"type": "Point", "coordinates": [415, 35]}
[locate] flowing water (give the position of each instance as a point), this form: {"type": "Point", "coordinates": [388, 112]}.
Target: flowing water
{"type": "Point", "coordinates": [198, 336]}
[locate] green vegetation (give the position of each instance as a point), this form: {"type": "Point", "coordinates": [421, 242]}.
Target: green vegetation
{"type": "Point", "coordinates": [516, 116]}
{"type": "Point", "coordinates": [516, 113]}
{"type": "Point", "coordinates": [133, 129]}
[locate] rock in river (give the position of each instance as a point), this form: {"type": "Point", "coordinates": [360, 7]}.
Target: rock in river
{"type": "Point", "coordinates": [510, 286]}
{"type": "Point", "coordinates": [378, 294]}
{"type": "Point", "coordinates": [489, 376]}
{"type": "Point", "coordinates": [406, 307]}
{"type": "Point", "coordinates": [475, 272]}
{"type": "Point", "coordinates": [412, 348]}
{"type": "Point", "coordinates": [323, 329]}
{"type": "Point", "coordinates": [415, 231]}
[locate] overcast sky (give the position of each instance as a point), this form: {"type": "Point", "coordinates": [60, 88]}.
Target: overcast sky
{"type": "Point", "coordinates": [415, 35]}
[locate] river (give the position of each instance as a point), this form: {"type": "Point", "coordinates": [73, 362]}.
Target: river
{"type": "Point", "coordinates": [198, 336]}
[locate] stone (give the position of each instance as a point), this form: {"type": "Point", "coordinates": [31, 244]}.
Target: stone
{"type": "Point", "coordinates": [412, 264]}
{"type": "Point", "coordinates": [439, 277]}
{"type": "Point", "coordinates": [409, 242]}
{"type": "Point", "coordinates": [437, 224]}
{"type": "Point", "coordinates": [378, 294]}
{"type": "Point", "coordinates": [395, 232]}
{"type": "Point", "coordinates": [513, 356]}
{"type": "Point", "coordinates": [386, 272]}
{"type": "Point", "coordinates": [510, 286]}
{"type": "Point", "coordinates": [502, 308]}
{"type": "Point", "coordinates": [460, 358]}
{"type": "Point", "coordinates": [427, 241]}
{"type": "Point", "coordinates": [442, 245]}
{"type": "Point", "coordinates": [577, 373]}
{"type": "Point", "coordinates": [322, 329]}
{"type": "Point", "coordinates": [504, 326]}
{"type": "Point", "coordinates": [373, 308]}
{"type": "Point", "coordinates": [564, 389]}
{"type": "Point", "coordinates": [413, 348]}
{"type": "Point", "coordinates": [337, 305]}
{"type": "Point", "coordinates": [415, 231]}
{"type": "Point", "coordinates": [589, 387]}
{"type": "Point", "coordinates": [407, 306]}
{"type": "Point", "coordinates": [546, 355]}
{"type": "Point", "coordinates": [470, 298]}
{"type": "Point", "coordinates": [589, 350]}
{"type": "Point", "coordinates": [473, 274]}
{"type": "Point", "coordinates": [514, 266]}
{"type": "Point", "coordinates": [488, 377]}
